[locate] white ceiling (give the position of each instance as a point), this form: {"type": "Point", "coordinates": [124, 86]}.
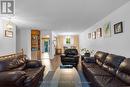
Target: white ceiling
{"type": "Point", "coordinates": [63, 15]}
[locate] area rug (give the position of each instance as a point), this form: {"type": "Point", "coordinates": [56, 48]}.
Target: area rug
{"type": "Point", "coordinates": [84, 82]}
{"type": "Point", "coordinates": [46, 81]}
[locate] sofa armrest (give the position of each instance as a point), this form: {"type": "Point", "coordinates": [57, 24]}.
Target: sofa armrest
{"type": "Point", "coordinates": [33, 64]}
{"type": "Point", "coordinates": [62, 56]}
{"type": "Point", "coordinates": [12, 77]}
{"type": "Point", "coordinates": [89, 59]}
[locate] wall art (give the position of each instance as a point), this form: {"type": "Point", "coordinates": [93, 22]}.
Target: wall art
{"type": "Point", "coordinates": [99, 32]}
{"type": "Point", "coordinates": [107, 30]}
{"type": "Point", "coordinates": [118, 28]}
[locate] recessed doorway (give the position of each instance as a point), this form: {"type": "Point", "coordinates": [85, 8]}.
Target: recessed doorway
{"type": "Point", "coordinates": [45, 46]}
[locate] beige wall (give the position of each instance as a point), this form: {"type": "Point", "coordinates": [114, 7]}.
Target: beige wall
{"type": "Point", "coordinates": [60, 43]}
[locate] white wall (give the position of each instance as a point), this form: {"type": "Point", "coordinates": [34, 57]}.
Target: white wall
{"type": "Point", "coordinates": [7, 45]}
{"type": "Point", "coordinates": [23, 40]}
{"type": "Point", "coordinates": [52, 45]}
{"type": "Point", "coordinates": [117, 43]}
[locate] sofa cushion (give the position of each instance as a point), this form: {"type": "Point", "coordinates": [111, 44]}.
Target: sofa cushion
{"type": "Point", "coordinates": [69, 59]}
{"type": "Point", "coordinates": [100, 57]}
{"type": "Point", "coordinates": [32, 72]}
{"type": "Point", "coordinates": [33, 64]}
{"type": "Point", "coordinates": [71, 52]}
{"type": "Point", "coordinates": [33, 75]}
{"type": "Point", "coordinates": [12, 78]}
{"type": "Point", "coordinates": [89, 65]}
{"type": "Point", "coordinates": [22, 67]}
{"type": "Point", "coordinates": [123, 72]}
{"type": "Point", "coordinates": [12, 62]}
{"type": "Point", "coordinates": [6, 63]}
{"type": "Point", "coordinates": [112, 63]}
{"type": "Point", "coordinates": [108, 81]}
{"type": "Point", "coordinates": [98, 71]}
{"type": "Point", "coordinates": [89, 59]}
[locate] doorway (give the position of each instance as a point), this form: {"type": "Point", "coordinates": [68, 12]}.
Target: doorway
{"type": "Point", "coordinates": [45, 46]}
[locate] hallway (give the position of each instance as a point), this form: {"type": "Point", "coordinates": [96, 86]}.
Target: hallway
{"type": "Point", "coordinates": [45, 55]}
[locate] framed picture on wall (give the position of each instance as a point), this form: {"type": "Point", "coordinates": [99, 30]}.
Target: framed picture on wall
{"type": "Point", "coordinates": [94, 35]}
{"type": "Point", "coordinates": [89, 35]}
{"type": "Point", "coordinates": [118, 28]}
{"type": "Point", "coordinates": [99, 32]}
{"type": "Point", "coordinates": [107, 29]}
{"type": "Point", "coordinates": [8, 33]}
{"type": "Point", "coordinates": [68, 40]}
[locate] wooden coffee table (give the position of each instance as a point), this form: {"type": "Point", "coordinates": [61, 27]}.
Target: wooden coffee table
{"type": "Point", "coordinates": [66, 77]}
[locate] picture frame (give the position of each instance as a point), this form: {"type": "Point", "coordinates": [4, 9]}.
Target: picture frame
{"type": "Point", "coordinates": [68, 40]}
{"type": "Point", "coordinates": [89, 35]}
{"type": "Point", "coordinates": [118, 28]}
{"type": "Point", "coordinates": [99, 32]}
{"type": "Point", "coordinates": [94, 35]}
{"type": "Point", "coordinates": [8, 33]}
{"type": "Point", "coordinates": [107, 30]}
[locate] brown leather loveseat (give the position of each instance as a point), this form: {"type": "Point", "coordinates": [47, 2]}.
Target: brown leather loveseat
{"type": "Point", "coordinates": [108, 70]}
{"type": "Point", "coordinates": [16, 71]}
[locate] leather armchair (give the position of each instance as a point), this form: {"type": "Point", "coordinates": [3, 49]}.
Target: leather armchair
{"type": "Point", "coordinates": [70, 57]}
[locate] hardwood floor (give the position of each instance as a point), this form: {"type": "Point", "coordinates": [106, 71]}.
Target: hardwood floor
{"type": "Point", "coordinates": [51, 64]}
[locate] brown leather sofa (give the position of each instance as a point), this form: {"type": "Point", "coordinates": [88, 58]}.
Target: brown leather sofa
{"type": "Point", "coordinates": [16, 71]}
{"type": "Point", "coordinates": [108, 70]}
